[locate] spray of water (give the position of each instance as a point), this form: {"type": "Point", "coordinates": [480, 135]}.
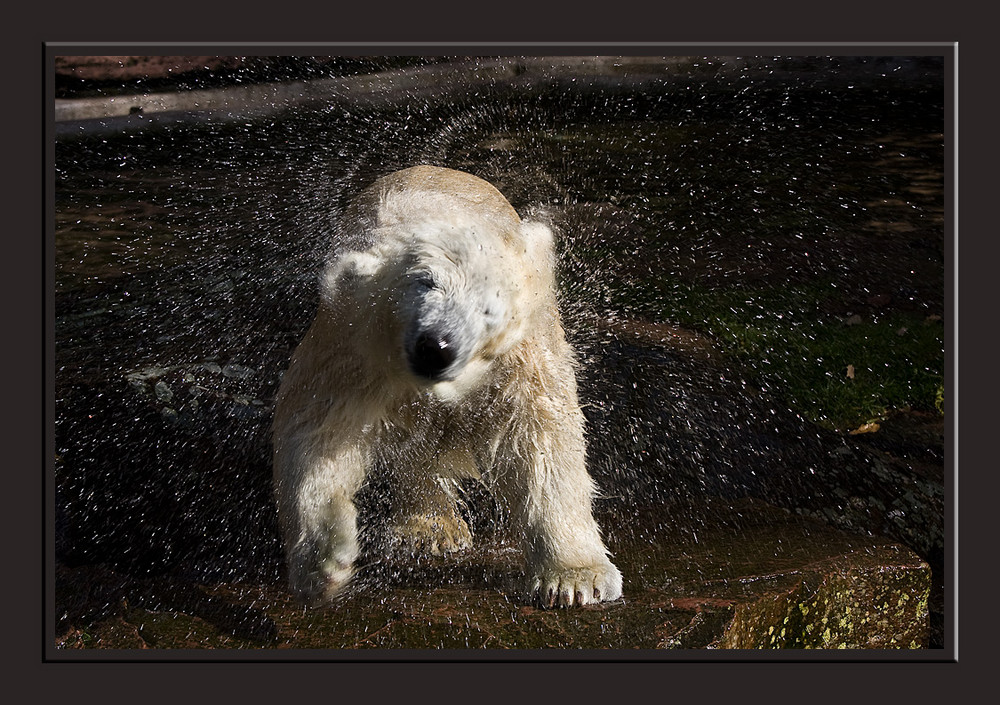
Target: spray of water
{"type": "Point", "coordinates": [186, 265]}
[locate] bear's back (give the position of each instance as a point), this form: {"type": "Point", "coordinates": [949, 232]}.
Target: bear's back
{"type": "Point", "coordinates": [437, 183]}
{"type": "Point", "coordinates": [424, 193]}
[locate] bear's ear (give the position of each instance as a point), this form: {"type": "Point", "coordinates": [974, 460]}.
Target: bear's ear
{"type": "Point", "coordinates": [348, 271]}
{"type": "Point", "coordinates": [538, 242]}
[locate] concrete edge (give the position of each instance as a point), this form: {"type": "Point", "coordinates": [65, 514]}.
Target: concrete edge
{"type": "Point", "coordinates": [434, 82]}
{"type": "Point", "coordinates": [388, 87]}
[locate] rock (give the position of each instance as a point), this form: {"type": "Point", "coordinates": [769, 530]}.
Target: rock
{"type": "Point", "coordinates": [744, 576]}
{"type": "Point", "coordinates": [877, 599]}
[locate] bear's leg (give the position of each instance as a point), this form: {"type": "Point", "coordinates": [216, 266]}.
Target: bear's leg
{"type": "Point", "coordinates": [543, 478]}
{"type": "Point", "coordinates": [316, 508]}
{"type": "Point", "coordinates": [426, 517]}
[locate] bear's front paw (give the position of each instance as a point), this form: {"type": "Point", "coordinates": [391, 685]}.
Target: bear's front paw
{"type": "Point", "coordinates": [322, 584]}
{"type": "Point", "coordinates": [566, 587]}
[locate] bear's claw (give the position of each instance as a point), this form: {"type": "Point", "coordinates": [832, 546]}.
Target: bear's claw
{"type": "Point", "coordinates": [577, 586]}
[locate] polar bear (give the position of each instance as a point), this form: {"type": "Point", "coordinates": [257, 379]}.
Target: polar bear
{"type": "Point", "coordinates": [437, 353]}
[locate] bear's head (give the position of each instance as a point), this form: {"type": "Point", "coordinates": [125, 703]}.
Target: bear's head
{"type": "Point", "coordinates": [453, 279]}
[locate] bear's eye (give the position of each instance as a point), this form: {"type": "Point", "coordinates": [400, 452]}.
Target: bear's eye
{"type": "Point", "coordinates": [425, 281]}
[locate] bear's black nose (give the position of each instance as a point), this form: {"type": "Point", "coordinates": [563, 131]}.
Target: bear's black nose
{"type": "Point", "coordinates": [432, 354]}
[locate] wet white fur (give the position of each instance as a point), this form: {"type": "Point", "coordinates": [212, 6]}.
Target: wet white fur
{"type": "Point", "coordinates": [443, 249]}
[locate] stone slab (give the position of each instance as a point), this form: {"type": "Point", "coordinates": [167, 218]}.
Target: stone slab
{"type": "Point", "coordinates": [718, 576]}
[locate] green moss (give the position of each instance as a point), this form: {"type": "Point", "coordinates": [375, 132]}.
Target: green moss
{"type": "Point", "coordinates": [840, 373]}
{"type": "Point", "coordinates": [856, 614]}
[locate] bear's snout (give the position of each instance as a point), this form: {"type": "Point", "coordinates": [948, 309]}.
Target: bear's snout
{"type": "Point", "coordinates": [431, 354]}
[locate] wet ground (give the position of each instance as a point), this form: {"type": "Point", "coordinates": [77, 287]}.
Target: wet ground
{"type": "Point", "coordinates": [184, 268]}
{"type": "Point", "coordinates": [754, 577]}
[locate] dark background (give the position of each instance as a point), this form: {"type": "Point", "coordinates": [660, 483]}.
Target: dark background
{"type": "Point", "coordinates": [719, 22]}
